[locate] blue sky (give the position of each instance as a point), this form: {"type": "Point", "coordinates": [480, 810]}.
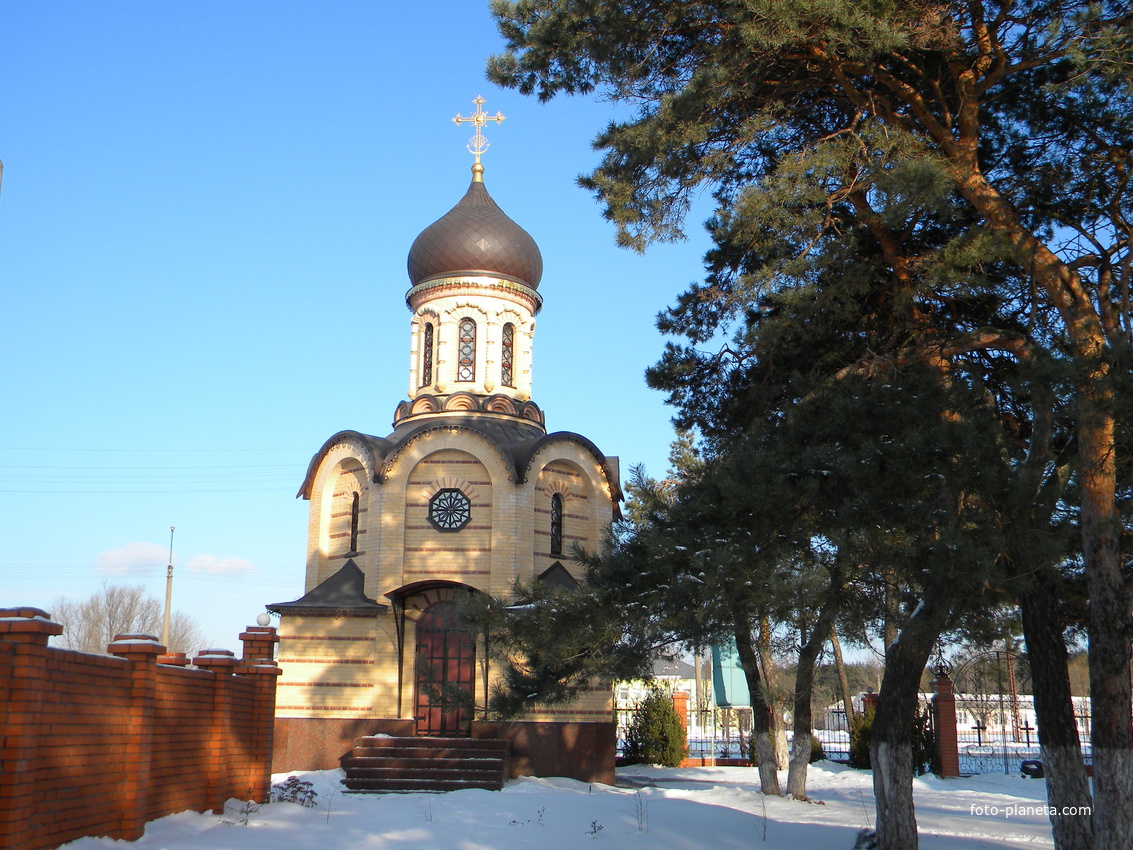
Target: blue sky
{"type": "Point", "coordinates": [204, 220]}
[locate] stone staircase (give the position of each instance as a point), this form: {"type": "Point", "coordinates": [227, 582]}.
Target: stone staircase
{"type": "Point", "coordinates": [381, 764]}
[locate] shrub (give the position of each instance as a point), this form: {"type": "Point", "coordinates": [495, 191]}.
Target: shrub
{"type": "Point", "coordinates": [656, 735]}
{"type": "Point", "coordinates": [816, 751]}
{"type": "Point", "coordinates": [925, 755]}
{"type": "Point", "coordinates": [861, 730]}
{"type": "Point", "coordinates": [295, 790]}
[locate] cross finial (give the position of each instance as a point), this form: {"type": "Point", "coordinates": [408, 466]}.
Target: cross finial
{"type": "Point", "coordinates": [478, 144]}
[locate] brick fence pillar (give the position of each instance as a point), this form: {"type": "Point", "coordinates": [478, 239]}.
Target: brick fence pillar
{"type": "Point", "coordinates": [24, 633]}
{"type": "Point", "coordinates": [142, 652]}
{"type": "Point", "coordinates": [680, 704]}
{"type": "Point", "coordinates": [259, 643]}
{"type": "Point", "coordinates": [944, 723]}
{"type": "Point", "coordinates": [219, 662]}
{"type": "Point", "coordinates": [263, 674]}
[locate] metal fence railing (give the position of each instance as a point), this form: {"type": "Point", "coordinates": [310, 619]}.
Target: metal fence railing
{"type": "Point", "coordinates": [1000, 748]}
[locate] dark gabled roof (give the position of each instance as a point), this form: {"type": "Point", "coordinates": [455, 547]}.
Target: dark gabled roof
{"type": "Point", "coordinates": [343, 591]}
{"type": "Point", "coordinates": [557, 575]}
{"type": "Point", "coordinates": [673, 668]}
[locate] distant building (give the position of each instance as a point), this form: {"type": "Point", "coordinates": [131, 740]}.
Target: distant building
{"type": "Point", "coordinates": [670, 675]}
{"type": "Point", "coordinates": [998, 714]}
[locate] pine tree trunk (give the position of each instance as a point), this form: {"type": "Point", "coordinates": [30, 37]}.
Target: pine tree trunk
{"type": "Point", "coordinates": [804, 687]}
{"type": "Point", "coordinates": [891, 742]}
{"type": "Point", "coordinates": [800, 758]}
{"type": "Point", "coordinates": [760, 714]}
{"type": "Point", "coordinates": [1111, 697]}
{"type": "Point", "coordinates": [803, 701]}
{"type": "Point", "coordinates": [843, 680]}
{"type": "Point", "coordinates": [1068, 788]}
{"type": "Point", "coordinates": [1066, 782]}
{"type": "Point", "coordinates": [767, 663]}
{"type": "Point", "coordinates": [1110, 617]}
{"type": "Point", "coordinates": [892, 606]}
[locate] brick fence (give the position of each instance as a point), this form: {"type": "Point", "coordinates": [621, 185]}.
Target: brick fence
{"type": "Point", "coordinates": [98, 745]}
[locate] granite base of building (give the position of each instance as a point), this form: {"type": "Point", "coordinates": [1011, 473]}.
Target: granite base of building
{"type": "Point", "coordinates": [582, 751]}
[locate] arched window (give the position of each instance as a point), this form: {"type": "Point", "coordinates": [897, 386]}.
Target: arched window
{"type": "Point", "coordinates": [507, 350]}
{"type": "Point", "coordinates": [556, 524]}
{"type": "Point", "coordinates": [427, 355]}
{"type": "Point", "coordinates": [466, 352]}
{"type": "Point", "coordinates": [354, 523]}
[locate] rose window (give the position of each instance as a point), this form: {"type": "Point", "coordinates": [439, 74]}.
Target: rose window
{"type": "Point", "coordinates": [449, 510]}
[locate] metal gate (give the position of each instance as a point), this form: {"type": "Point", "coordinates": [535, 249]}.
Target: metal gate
{"type": "Point", "coordinates": [995, 717]}
{"type": "Point", "coordinates": [446, 655]}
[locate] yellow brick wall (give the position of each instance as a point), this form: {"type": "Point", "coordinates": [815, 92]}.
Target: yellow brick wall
{"type": "Point", "coordinates": [347, 667]}
{"type": "Point", "coordinates": [331, 666]}
{"type": "Point", "coordinates": [464, 556]}
{"type": "Point", "coordinates": [596, 705]}
{"type": "Point", "coordinates": [574, 487]}
{"type": "Point", "coordinates": [341, 473]}
{"type": "Point", "coordinates": [572, 471]}
{"type": "Point", "coordinates": [410, 545]}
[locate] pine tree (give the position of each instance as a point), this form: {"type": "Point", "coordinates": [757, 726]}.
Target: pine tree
{"type": "Point", "coordinates": [813, 120]}
{"type": "Point", "coordinates": [656, 736]}
{"type": "Point", "coordinates": [551, 644]}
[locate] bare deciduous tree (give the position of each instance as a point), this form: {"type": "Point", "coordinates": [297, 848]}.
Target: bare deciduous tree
{"type": "Point", "coordinates": [90, 624]}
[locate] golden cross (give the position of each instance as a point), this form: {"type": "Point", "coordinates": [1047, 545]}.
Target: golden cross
{"type": "Point", "coordinates": [478, 144]}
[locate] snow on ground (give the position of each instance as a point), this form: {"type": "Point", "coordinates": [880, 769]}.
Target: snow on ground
{"type": "Point", "coordinates": [704, 808]}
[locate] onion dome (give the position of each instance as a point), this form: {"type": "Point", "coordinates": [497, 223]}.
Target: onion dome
{"type": "Point", "coordinates": [475, 238]}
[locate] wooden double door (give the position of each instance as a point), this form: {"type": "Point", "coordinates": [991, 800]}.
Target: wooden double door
{"type": "Point", "coordinates": [446, 666]}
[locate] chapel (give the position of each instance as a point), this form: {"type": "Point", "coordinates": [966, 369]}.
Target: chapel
{"type": "Point", "coordinates": [468, 493]}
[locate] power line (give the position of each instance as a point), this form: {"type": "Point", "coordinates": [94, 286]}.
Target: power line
{"type": "Point", "coordinates": [56, 449]}
{"type": "Point", "coordinates": [195, 466]}
{"type": "Point", "coordinates": [127, 492]}
{"type": "Point", "coordinates": [131, 578]}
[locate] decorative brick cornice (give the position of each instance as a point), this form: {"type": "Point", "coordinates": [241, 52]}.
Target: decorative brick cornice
{"type": "Point", "coordinates": [497, 404]}
{"type": "Point", "coordinates": [478, 285]}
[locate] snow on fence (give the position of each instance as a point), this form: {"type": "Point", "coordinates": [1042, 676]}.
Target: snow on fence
{"type": "Point", "coordinates": [92, 744]}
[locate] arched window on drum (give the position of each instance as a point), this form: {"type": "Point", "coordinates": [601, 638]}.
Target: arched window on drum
{"type": "Point", "coordinates": [507, 356]}
{"type": "Point", "coordinates": [466, 351]}
{"type": "Point", "coordinates": [427, 355]}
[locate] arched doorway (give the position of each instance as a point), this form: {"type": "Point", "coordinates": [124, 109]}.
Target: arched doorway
{"type": "Point", "coordinates": [446, 655]}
